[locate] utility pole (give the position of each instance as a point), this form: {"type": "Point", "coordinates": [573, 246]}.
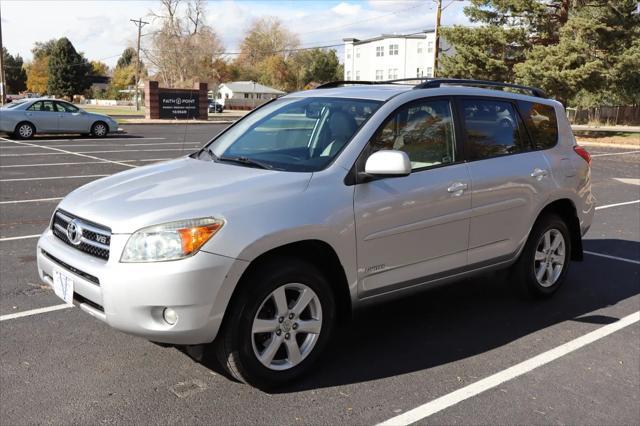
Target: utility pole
{"type": "Point", "coordinates": [436, 49]}
{"type": "Point", "coordinates": [140, 23]}
{"type": "Point", "coordinates": [3, 84]}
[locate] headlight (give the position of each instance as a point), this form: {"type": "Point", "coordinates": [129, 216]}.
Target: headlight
{"type": "Point", "coordinates": [170, 241]}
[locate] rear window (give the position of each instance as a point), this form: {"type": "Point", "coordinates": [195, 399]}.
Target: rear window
{"type": "Point", "coordinates": [492, 129]}
{"type": "Point", "coordinates": [541, 122]}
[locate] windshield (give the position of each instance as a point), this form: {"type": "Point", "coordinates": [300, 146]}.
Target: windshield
{"type": "Point", "coordinates": [293, 134]}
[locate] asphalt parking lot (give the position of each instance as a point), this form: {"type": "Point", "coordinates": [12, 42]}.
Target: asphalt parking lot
{"type": "Point", "coordinates": [423, 354]}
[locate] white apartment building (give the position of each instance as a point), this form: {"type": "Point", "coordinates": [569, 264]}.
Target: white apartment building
{"type": "Point", "coordinates": [389, 56]}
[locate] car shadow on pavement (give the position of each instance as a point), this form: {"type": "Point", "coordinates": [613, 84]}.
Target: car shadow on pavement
{"type": "Point", "coordinates": [465, 319]}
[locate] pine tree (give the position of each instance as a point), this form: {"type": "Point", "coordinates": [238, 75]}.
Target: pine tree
{"type": "Point", "coordinates": [68, 70]}
{"type": "Point", "coordinates": [14, 72]}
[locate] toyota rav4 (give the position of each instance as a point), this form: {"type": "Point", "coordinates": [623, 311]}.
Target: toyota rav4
{"type": "Point", "coordinates": [317, 204]}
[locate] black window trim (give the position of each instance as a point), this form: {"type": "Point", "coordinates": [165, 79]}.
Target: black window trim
{"type": "Point", "coordinates": [354, 177]}
{"type": "Point", "coordinates": [521, 127]}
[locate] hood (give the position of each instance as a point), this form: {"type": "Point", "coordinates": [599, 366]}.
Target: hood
{"type": "Point", "coordinates": [100, 116]}
{"type": "Point", "coordinates": [184, 188]}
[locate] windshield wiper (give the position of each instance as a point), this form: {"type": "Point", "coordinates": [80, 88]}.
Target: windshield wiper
{"type": "Point", "coordinates": [246, 161]}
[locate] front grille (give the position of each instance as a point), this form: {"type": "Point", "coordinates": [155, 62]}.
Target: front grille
{"type": "Point", "coordinates": [93, 239]}
{"type": "Point", "coordinates": [76, 271]}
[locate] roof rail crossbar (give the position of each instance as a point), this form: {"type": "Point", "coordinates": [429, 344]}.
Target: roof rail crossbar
{"type": "Point", "coordinates": [436, 82]}
{"type": "Point", "coordinates": [332, 84]}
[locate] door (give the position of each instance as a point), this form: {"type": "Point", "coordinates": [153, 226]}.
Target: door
{"type": "Point", "coordinates": [509, 179]}
{"type": "Point", "coordinates": [44, 116]}
{"type": "Point", "coordinates": [71, 119]}
{"type": "Point", "coordinates": [414, 227]}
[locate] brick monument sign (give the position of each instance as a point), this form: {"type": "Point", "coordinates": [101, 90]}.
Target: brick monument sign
{"type": "Point", "coordinates": [175, 104]}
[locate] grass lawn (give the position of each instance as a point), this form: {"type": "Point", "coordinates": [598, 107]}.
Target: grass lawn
{"type": "Point", "coordinates": [627, 138]}
{"type": "Point", "coordinates": [113, 110]}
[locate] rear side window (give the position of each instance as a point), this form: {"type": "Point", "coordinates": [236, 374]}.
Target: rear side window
{"type": "Point", "coordinates": [492, 129]}
{"type": "Point", "coordinates": [45, 106]}
{"type": "Point", "coordinates": [422, 129]}
{"type": "Point", "coordinates": [541, 122]}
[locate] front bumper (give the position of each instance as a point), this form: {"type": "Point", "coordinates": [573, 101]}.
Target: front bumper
{"type": "Point", "coordinates": [130, 297]}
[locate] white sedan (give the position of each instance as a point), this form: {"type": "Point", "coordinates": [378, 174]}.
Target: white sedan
{"type": "Point", "coordinates": [24, 118]}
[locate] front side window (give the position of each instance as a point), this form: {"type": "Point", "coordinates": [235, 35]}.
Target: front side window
{"type": "Point", "coordinates": [293, 134]}
{"type": "Point", "coordinates": [422, 129]}
{"type": "Point", "coordinates": [492, 129]}
{"type": "Point", "coordinates": [541, 122]}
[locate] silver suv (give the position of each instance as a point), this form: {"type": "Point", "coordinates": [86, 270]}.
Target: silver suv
{"type": "Point", "coordinates": [317, 204]}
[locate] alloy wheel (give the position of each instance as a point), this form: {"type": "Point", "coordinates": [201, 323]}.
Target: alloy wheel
{"type": "Point", "coordinates": [550, 256]}
{"type": "Point", "coordinates": [287, 326]}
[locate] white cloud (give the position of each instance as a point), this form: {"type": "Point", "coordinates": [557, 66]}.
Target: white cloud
{"type": "Point", "coordinates": [347, 9]}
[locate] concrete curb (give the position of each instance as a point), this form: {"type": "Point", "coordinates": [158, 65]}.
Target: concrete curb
{"type": "Point", "coordinates": [610, 145]}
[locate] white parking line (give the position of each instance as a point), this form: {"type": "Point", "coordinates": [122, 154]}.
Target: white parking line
{"type": "Point", "coordinates": [79, 163]}
{"type": "Point", "coordinates": [34, 312]}
{"type": "Point", "coordinates": [608, 256]}
{"type": "Point", "coordinates": [510, 373]}
{"type": "Point", "coordinates": [25, 237]}
{"type": "Point", "coordinates": [614, 153]}
{"type": "Point", "coordinates": [37, 200]}
{"type": "Point", "coordinates": [626, 203]}
{"type": "Point", "coordinates": [52, 177]}
{"type": "Point", "coordinates": [85, 140]}
{"type": "Point", "coordinates": [67, 152]}
{"type": "Point", "coordinates": [81, 153]}
{"type": "Point", "coordinates": [107, 145]}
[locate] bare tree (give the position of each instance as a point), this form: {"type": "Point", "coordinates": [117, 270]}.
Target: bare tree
{"type": "Point", "coordinates": [184, 48]}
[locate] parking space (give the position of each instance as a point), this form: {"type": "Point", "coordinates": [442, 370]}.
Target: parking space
{"type": "Point", "coordinates": [65, 367]}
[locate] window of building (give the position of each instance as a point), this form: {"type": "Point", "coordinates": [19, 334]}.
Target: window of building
{"type": "Point", "coordinates": [348, 75]}
{"type": "Point", "coordinates": [420, 47]}
{"type": "Point", "coordinates": [357, 52]}
{"type": "Point", "coordinates": [393, 73]}
{"type": "Point", "coordinates": [379, 74]}
{"type": "Point", "coordinates": [419, 72]}
{"type": "Point", "coordinates": [357, 75]}
{"type": "Point", "coordinates": [379, 50]}
{"type": "Point", "coordinates": [492, 129]}
{"type": "Point", "coordinates": [393, 49]}
{"type": "Point", "coordinates": [422, 129]}
{"type": "Point", "coordinates": [541, 122]}
{"type": "Point", "coordinates": [430, 47]}
{"type": "Point", "coordinates": [429, 71]}
{"type": "Point", "coordinates": [348, 54]}
{"type": "Point", "coordinates": [246, 96]}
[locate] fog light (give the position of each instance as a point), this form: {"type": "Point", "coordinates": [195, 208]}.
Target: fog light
{"type": "Point", "coordinates": [170, 316]}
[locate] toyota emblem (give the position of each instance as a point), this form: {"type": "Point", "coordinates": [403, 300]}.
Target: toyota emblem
{"type": "Point", "coordinates": [74, 232]}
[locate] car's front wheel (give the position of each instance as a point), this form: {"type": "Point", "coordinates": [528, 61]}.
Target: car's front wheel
{"type": "Point", "coordinates": [544, 261]}
{"type": "Point", "coordinates": [278, 324]}
{"type": "Point", "coordinates": [99, 129]}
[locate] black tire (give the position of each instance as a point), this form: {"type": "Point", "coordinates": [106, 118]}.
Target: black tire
{"type": "Point", "coordinates": [234, 345]}
{"type": "Point", "coordinates": [99, 129]}
{"type": "Point", "coordinates": [24, 130]}
{"type": "Point", "coordinates": [523, 272]}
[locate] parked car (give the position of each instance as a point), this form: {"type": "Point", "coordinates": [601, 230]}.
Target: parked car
{"type": "Point", "coordinates": [215, 106]}
{"type": "Point", "coordinates": [317, 204]}
{"type": "Point", "coordinates": [26, 117]}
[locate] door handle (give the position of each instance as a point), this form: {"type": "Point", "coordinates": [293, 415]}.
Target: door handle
{"type": "Point", "coordinates": [457, 188]}
{"type": "Point", "coordinates": [539, 174]}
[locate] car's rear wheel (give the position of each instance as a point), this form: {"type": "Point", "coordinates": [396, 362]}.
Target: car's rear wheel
{"type": "Point", "coordinates": [24, 130]}
{"type": "Point", "coordinates": [99, 129]}
{"type": "Point", "coordinates": [278, 324]}
{"type": "Point", "coordinates": [542, 267]}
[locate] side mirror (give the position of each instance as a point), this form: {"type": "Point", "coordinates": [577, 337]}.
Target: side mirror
{"type": "Point", "coordinates": [388, 163]}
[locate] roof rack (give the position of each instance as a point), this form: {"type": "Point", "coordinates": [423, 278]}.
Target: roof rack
{"type": "Point", "coordinates": [436, 82]}
{"type": "Point", "coordinates": [430, 83]}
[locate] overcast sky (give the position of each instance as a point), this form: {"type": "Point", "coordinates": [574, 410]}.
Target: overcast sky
{"type": "Point", "coordinates": [101, 28]}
